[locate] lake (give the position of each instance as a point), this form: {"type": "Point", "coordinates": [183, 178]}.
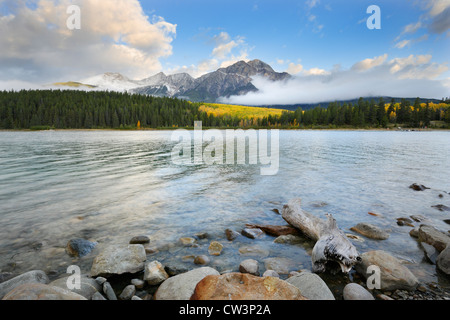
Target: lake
{"type": "Point", "coordinates": [108, 186]}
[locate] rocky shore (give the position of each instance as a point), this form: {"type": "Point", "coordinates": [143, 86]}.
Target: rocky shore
{"type": "Point", "coordinates": [128, 271]}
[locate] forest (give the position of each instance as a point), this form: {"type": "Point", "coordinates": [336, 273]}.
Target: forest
{"type": "Point", "coordinates": [72, 109]}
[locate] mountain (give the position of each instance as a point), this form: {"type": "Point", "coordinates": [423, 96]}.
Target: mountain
{"type": "Point", "coordinates": [224, 82]}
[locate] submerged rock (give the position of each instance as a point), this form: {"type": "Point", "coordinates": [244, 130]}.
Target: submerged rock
{"type": "Point", "coordinates": [432, 236]}
{"type": "Point", "coordinates": [215, 248]}
{"type": "Point", "coordinates": [252, 233]}
{"type": "Point", "coordinates": [441, 207]}
{"type": "Point", "coordinates": [393, 274]}
{"type": "Point", "coordinates": [280, 265]}
{"type": "Point", "coordinates": [288, 239]}
{"type": "Point", "coordinates": [79, 247]}
{"type": "Point", "coordinates": [202, 260]}
{"type": "Point", "coordinates": [244, 286]}
{"type": "Point", "coordinates": [231, 234]}
{"type": "Point", "coordinates": [418, 187]}
{"type": "Point", "coordinates": [370, 231]}
{"type": "Point", "coordinates": [116, 260]}
{"type": "Point", "coordinates": [140, 240]}
{"type": "Point", "coordinates": [311, 286]}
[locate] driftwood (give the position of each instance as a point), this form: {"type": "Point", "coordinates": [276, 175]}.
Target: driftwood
{"type": "Point", "coordinates": [331, 243]}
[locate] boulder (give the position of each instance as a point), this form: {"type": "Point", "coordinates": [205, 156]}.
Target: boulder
{"type": "Point", "coordinates": [40, 291]}
{"type": "Point", "coordinates": [244, 286]}
{"type": "Point", "coordinates": [88, 286]}
{"type": "Point", "coordinates": [35, 276]}
{"type": "Point", "coordinates": [354, 291]}
{"type": "Point", "coordinates": [443, 261]}
{"type": "Point", "coordinates": [182, 286]}
{"type": "Point", "coordinates": [140, 240]}
{"type": "Point", "coordinates": [432, 236]}
{"type": "Point", "coordinates": [370, 231]}
{"type": "Point", "coordinates": [249, 266]}
{"type": "Point", "coordinates": [79, 247]}
{"type": "Point", "coordinates": [311, 286]}
{"type": "Point", "coordinates": [154, 273]}
{"type": "Point", "coordinates": [430, 252]}
{"type": "Point", "coordinates": [115, 260]}
{"type": "Point", "coordinates": [393, 275]}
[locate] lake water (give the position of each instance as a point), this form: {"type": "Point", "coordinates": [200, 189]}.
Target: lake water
{"type": "Point", "coordinates": [108, 186]}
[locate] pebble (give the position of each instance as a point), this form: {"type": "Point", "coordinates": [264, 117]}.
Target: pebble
{"type": "Point", "coordinates": [108, 291]}
{"type": "Point", "coordinates": [100, 280]}
{"type": "Point", "coordinates": [138, 283]}
{"type": "Point", "coordinates": [252, 233]}
{"type": "Point", "coordinates": [128, 292]}
{"type": "Point", "coordinates": [140, 240]}
{"type": "Point", "coordinates": [202, 260]}
{"type": "Point", "coordinates": [231, 234]}
{"type": "Point", "coordinates": [215, 248]}
{"type": "Point", "coordinates": [98, 296]}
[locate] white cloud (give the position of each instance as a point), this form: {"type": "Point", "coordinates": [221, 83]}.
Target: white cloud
{"type": "Point", "coordinates": [294, 68]}
{"type": "Point", "coordinates": [118, 37]}
{"type": "Point", "coordinates": [410, 76]}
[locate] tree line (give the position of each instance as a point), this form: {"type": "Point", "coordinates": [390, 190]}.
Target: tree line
{"type": "Point", "coordinates": [71, 109]}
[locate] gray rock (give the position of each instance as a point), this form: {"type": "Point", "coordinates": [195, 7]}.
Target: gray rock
{"type": "Point", "coordinates": [443, 261]}
{"type": "Point", "coordinates": [79, 247]}
{"type": "Point", "coordinates": [135, 298]}
{"type": "Point", "coordinates": [202, 260]}
{"type": "Point", "coordinates": [393, 274]}
{"type": "Point", "coordinates": [88, 286]}
{"type": "Point", "coordinates": [138, 283]}
{"type": "Point", "coordinates": [288, 239]}
{"type": "Point", "coordinates": [40, 291]}
{"type": "Point", "coordinates": [354, 291]}
{"type": "Point", "coordinates": [5, 276]}
{"type": "Point", "coordinates": [140, 240]}
{"type": "Point", "coordinates": [182, 286]}
{"type": "Point", "coordinates": [98, 296]}
{"type": "Point", "coordinates": [231, 234]}
{"type": "Point", "coordinates": [249, 266]}
{"type": "Point", "coordinates": [116, 260]}
{"type": "Point", "coordinates": [128, 292]}
{"type": "Point", "coordinates": [311, 286]}
{"type": "Point", "coordinates": [109, 292]}
{"type": "Point", "coordinates": [430, 252]}
{"type": "Point", "coordinates": [254, 251]}
{"type": "Point", "coordinates": [154, 273]}
{"type": "Point", "coordinates": [280, 265]}
{"type": "Point", "coordinates": [432, 236]}
{"type": "Point", "coordinates": [35, 276]}
{"type": "Point", "coordinates": [101, 280]}
{"type": "Point", "coordinates": [370, 231]}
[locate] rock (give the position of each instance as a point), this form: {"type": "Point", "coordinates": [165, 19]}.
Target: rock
{"type": "Point", "coordinates": [79, 247]}
{"type": "Point", "coordinates": [187, 242]}
{"type": "Point", "coordinates": [383, 297]}
{"type": "Point", "coordinates": [40, 291]}
{"type": "Point", "coordinates": [288, 239]}
{"type": "Point", "coordinates": [405, 222]}
{"type": "Point", "coordinates": [231, 234]}
{"type": "Point", "coordinates": [354, 237]}
{"type": "Point", "coordinates": [311, 286]}
{"type": "Point", "coordinates": [443, 261]}
{"type": "Point", "coordinates": [280, 265]}
{"type": "Point", "coordinates": [109, 292]}
{"type": "Point", "coordinates": [138, 283]}
{"type": "Point", "coordinates": [215, 248]}
{"type": "Point", "coordinates": [418, 218]}
{"type": "Point", "coordinates": [274, 230]}
{"type": "Point", "coordinates": [174, 270]}
{"type": "Point", "coordinates": [5, 276]}
{"type": "Point", "coordinates": [370, 231]}
{"type": "Point", "coordinates": [354, 291]}
{"type": "Point", "coordinates": [249, 266]}
{"type": "Point", "coordinates": [393, 275]}
{"type": "Point", "coordinates": [35, 276]}
{"type": "Point", "coordinates": [128, 292]}
{"type": "Point", "coordinates": [432, 236]}
{"type": "Point", "coordinates": [202, 235]}
{"type": "Point", "coordinates": [116, 260]}
{"type": "Point", "coordinates": [255, 251]}
{"type": "Point", "coordinates": [441, 207]}
{"type": "Point", "coordinates": [202, 260]}
{"type": "Point", "coordinates": [417, 187]}
{"type": "Point", "coordinates": [155, 273]}
{"type": "Point", "coordinates": [414, 232]}
{"type": "Point", "coordinates": [100, 280]}
{"type": "Point", "coordinates": [430, 252]}
{"type": "Point", "coordinates": [271, 273]}
{"type": "Point", "coordinates": [374, 214]}
{"type": "Point", "coordinates": [252, 233]}
{"type": "Point", "coordinates": [135, 298]}
{"type": "Point", "coordinates": [244, 286]}
{"type": "Point", "coordinates": [182, 286]}
{"type": "Point", "coordinates": [98, 296]}
{"type": "Point", "coordinates": [447, 221]}
{"type": "Point", "coordinates": [140, 240]}
{"type": "Point", "coordinates": [88, 286]}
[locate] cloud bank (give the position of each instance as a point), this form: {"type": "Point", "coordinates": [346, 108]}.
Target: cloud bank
{"type": "Point", "coordinates": [410, 76]}
{"type": "Point", "coordinates": [37, 46]}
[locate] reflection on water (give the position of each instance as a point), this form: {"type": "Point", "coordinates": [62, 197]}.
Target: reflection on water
{"type": "Point", "coordinates": [109, 186]}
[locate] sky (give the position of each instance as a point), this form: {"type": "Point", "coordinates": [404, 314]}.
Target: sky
{"type": "Point", "coordinates": [325, 44]}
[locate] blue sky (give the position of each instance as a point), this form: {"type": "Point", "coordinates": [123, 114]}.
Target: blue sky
{"type": "Point", "coordinates": [317, 34]}
{"type": "Point", "coordinates": [325, 44]}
